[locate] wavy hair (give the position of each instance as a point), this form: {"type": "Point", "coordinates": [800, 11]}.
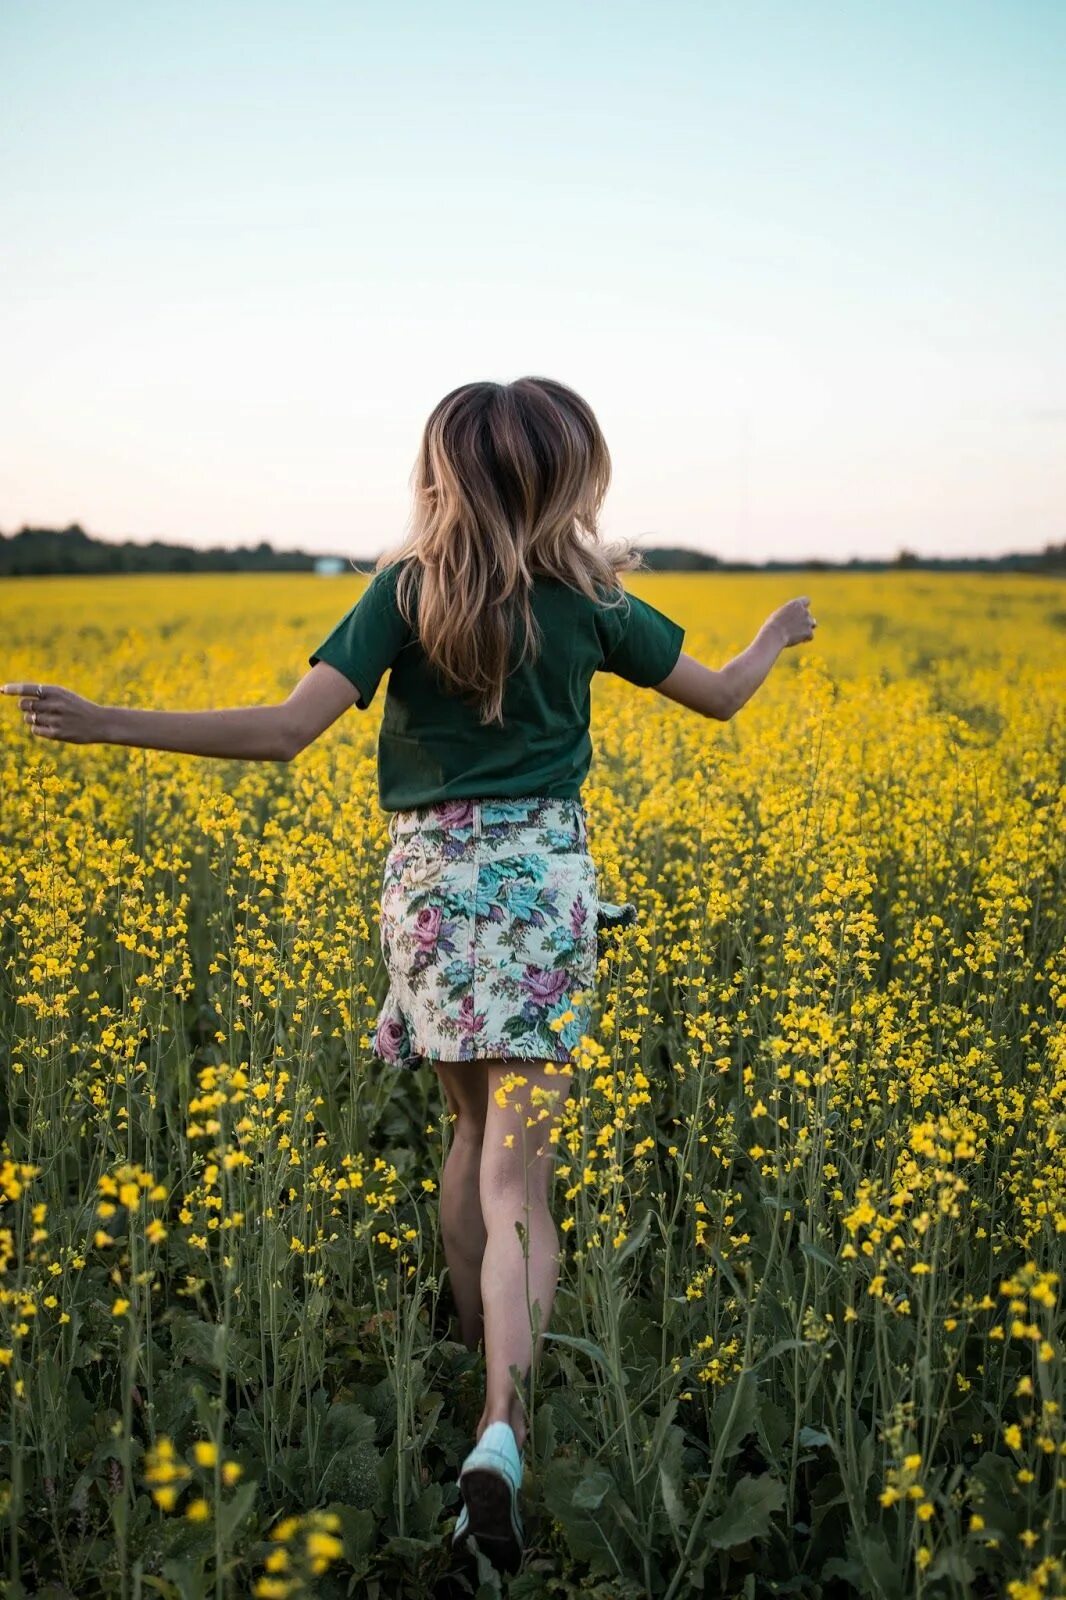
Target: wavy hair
{"type": "Point", "coordinates": [507, 486]}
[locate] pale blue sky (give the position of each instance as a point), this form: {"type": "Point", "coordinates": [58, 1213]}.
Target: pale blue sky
{"type": "Point", "coordinates": [806, 261]}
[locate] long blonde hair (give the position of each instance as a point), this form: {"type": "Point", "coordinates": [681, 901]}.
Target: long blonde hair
{"type": "Point", "coordinates": [508, 485]}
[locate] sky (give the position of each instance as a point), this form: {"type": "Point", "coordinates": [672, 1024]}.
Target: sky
{"type": "Point", "coordinates": [806, 262]}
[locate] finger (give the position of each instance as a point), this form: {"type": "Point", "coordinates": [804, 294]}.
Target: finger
{"type": "Point", "coordinates": [22, 688]}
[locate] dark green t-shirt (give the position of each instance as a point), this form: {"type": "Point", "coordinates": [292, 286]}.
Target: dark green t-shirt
{"type": "Point", "coordinates": [432, 746]}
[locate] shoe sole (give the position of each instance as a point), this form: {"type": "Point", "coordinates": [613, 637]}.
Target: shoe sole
{"type": "Point", "coordinates": [489, 1500]}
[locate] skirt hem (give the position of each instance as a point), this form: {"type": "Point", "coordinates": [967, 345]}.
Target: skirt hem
{"type": "Point", "coordinates": [420, 1057]}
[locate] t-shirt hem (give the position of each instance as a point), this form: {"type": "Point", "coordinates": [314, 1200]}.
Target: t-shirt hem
{"type": "Point", "coordinates": [391, 803]}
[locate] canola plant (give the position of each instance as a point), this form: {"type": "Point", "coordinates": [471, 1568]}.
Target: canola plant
{"type": "Point", "coordinates": [810, 1182]}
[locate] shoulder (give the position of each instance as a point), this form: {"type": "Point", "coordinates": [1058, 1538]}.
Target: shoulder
{"type": "Point", "coordinates": [388, 585]}
{"type": "Point", "coordinates": [603, 614]}
{"type": "Point", "coordinates": [605, 598]}
{"type": "Point", "coordinates": [610, 613]}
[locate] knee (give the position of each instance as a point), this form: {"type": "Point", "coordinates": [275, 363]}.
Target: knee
{"type": "Point", "coordinates": [509, 1185]}
{"type": "Point", "coordinates": [468, 1129]}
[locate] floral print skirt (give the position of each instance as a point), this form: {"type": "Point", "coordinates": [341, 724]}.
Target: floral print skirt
{"type": "Point", "coordinates": [490, 925]}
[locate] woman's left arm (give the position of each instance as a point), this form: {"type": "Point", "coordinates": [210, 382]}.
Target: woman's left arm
{"type": "Point", "coordinates": [249, 733]}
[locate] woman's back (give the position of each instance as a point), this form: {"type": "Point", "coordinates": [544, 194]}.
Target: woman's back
{"type": "Point", "coordinates": [433, 745]}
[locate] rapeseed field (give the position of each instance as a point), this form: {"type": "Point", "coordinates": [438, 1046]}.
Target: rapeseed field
{"type": "Point", "coordinates": [809, 1337]}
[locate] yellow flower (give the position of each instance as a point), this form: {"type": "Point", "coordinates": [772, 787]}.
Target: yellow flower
{"type": "Point", "coordinates": [324, 1546]}
{"type": "Point", "coordinates": [120, 1308]}
{"type": "Point", "coordinates": [198, 1510]}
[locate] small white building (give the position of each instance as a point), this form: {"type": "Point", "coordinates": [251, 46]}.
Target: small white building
{"type": "Point", "coordinates": [329, 564]}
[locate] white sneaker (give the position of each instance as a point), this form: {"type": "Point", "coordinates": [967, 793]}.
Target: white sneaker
{"type": "Point", "coordinates": [489, 1481]}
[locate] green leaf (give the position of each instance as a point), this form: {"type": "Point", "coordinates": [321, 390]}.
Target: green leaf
{"type": "Point", "coordinates": [774, 1427]}
{"type": "Point", "coordinates": [634, 1242]}
{"type": "Point", "coordinates": [426, 1513]}
{"type": "Point", "coordinates": [952, 1563]}
{"type": "Point", "coordinates": [189, 1579]}
{"type": "Point", "coordinates": [347, 1424]}
{"type": "Point", "coordinates": [743, 1420]}
{"type": "Point", "coordinates": [780, 1347]}
{"type": "Point", "coordinates": [814, 1252]}
{"type": "Point", "coordinates": [233, 1512]}
{"type": "Point", "coordinates": [663, 1430]}
{"type": "Point", "coordinates": [843, 1567]}
{"type": "Point", "coordinates": [882, 1577]}
{"type": "Point", "coordinates": [672, 1502]}
{"type": "Point", "coordinates": [358, 1531]}
{"type": "Point", "coordinates": [584, 1345]}
{"type": "Point", "coordinates": [586, 1535]}
{"type": "Point", "coordinates": [746, 1514]}
{"type": "Point", "coordinates": [813, 1438]}
{"type": "Point", "coordinates": [593, 1489]}
{"type": "Point", "coordinates": [543, 1431]}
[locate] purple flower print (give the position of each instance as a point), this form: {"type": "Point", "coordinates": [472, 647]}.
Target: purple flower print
{"type": "Point", "coordinates": [427, 929]}
{"type": "Point", "coordinates": [453, 813]}
{"type": "Point", "coordinates": [578, 917]}
{"type": "Point", "coordinates": [468, 1021]}
{"type": "Point", "coordinates": [389, 1038]}
{"type": "Point", "coordinates": [544, 985]}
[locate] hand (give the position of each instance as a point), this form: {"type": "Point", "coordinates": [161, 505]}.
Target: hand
{"type": "Point", "coordinates": [54, 713]}
{"type": "Point", "coordinates": [793, 621]}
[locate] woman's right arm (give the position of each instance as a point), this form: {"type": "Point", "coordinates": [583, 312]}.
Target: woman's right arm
{"type": "Point", "coordinates": [250, 733]}
{"type": "Point", "coordinates": [721, 694]}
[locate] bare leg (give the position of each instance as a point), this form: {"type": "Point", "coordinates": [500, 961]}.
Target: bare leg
{"type": "Point", "coordinates": [516, 1165]}
{"type": "Point", "coordinates": [463, 1229]}
{"type": "Point", "coordinates": [465, 1085]}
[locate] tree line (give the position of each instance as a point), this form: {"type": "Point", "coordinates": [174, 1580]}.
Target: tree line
{"type": "Point", "coordinates": [69, 551]}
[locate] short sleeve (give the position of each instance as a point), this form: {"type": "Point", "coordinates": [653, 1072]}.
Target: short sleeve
{"type": "Point", "coordinates": [366, 641]}
{"type": "Point", "coordinates": [640, 643]}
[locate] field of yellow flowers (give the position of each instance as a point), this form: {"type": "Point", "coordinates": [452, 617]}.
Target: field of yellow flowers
{"type": "Point", "coordinates": [809, 1333]}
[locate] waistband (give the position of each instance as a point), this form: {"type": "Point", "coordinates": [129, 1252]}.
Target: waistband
{"type": "Point", "coordinates": [476, 819]}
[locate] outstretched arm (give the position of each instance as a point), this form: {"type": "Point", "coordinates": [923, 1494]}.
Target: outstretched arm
{"type": "Point", "coordinates": [721, 694]}
{"type": "Point", "coordinates": [249, 733]}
